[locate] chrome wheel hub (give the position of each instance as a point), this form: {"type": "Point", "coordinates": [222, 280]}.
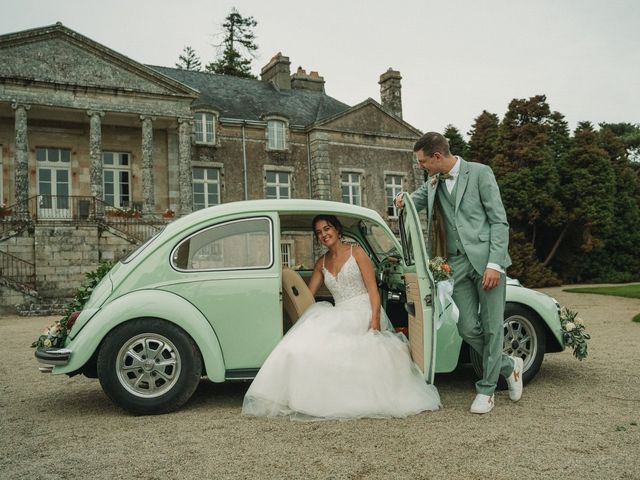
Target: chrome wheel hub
{"type": "Point", "coordinates": [148, 365]}
{"type": "Point", "coordinates": [520, 339]}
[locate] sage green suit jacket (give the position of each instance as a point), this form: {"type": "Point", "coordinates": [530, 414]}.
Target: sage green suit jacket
{"type": "Point", "coordinates": [480, 217]}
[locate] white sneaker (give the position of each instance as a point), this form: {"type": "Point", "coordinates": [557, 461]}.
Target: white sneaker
{"type": "Point", "coordinates": [514, 381]}
{"type": "Point", "coordinates": [482, 404]}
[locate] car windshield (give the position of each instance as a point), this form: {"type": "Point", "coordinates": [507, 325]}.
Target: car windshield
{"type": "Point", "coordinates": [380, 240]}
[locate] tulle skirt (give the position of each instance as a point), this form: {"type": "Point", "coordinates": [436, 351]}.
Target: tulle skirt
{"type": "Point", "coordinates": [329, 365]}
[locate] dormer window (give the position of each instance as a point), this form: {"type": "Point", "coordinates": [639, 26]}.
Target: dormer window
{"type": "Point", "coordinates": [205, 128]}
{"type": "Point", "coordinates": [276, 134]}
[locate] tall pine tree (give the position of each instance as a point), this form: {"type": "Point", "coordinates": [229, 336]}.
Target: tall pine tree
{"type": "Point", "coordinates": [188, 60]}
{"type": "Point", "coordinates": [238, 46]}
{"type": "Point", "coordinates": [528, 180]}
{"type": "Point", "coordinates": [457, 144]}
{"type": "Point", "coordinates": [618, 259]}
{"type": "Point", "coordinates": [587, 191]}
{"type": "Point", "coordinates": [483, 138]}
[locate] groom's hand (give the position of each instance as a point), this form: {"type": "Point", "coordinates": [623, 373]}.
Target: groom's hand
{"type": "Point", "coordinates": [490, 279]}
{"type": "Point", "coordinates": [399, 200]}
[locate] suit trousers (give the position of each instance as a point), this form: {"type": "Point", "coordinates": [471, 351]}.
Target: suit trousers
{"type": "Point", "coordinates": [481, 321]}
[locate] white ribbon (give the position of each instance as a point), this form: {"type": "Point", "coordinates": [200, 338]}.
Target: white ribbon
{"type": "Point", "coordinates": [445, 290]}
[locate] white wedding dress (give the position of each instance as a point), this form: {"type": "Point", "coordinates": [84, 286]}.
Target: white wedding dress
{"type": "Point", "coordinates": [330, 365]}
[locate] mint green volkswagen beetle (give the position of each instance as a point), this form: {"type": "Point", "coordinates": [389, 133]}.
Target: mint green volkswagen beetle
{"type": "Point", "coordinates": [205, 297]}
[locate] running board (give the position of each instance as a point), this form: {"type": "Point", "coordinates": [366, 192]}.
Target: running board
{"type": "Point", "coordinates": [240, 374]}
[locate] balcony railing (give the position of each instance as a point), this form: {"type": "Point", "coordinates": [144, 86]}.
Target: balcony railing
{"type": "Point", "coordinates": [128, 221]}
{"type": "Point", "coordinates": [79, 209]}
{"type": "Point", "coordinates": [17, 270]}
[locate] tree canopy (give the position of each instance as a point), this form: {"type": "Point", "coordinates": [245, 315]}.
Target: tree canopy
{"type": "Point", "coordinates": [188, 60]}
{"type": "Point", "coordinates": [572, 198]}
{"type": "Point", "coordinates": [236, 51]}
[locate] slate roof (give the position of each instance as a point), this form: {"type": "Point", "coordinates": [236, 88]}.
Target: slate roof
{"type": "Point", "coordinates": [249, 99]}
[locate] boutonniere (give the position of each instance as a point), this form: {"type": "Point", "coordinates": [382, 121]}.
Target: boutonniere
{"type": "Point", "coordinates": [433, 179]}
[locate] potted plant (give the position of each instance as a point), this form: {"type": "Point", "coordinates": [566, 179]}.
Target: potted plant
{"type": "Point", "coordinates": [4, 210]}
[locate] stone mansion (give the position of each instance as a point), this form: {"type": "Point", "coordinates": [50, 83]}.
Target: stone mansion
{"type": "Point", "coordinates": [98, 151]}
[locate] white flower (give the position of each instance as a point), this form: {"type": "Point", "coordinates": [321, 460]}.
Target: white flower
{"type": "Point", "coordinates": [570, 326]}
{"type": "Point", "coordinates": [47, 343]}
{"type": "Point", "coordinates": [579, 321]}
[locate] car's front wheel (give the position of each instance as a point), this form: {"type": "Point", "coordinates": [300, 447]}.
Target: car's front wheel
{"type": "Point", "coordinates": [149, 366]}
{"type": "Point", "coordinates": [524, 337]}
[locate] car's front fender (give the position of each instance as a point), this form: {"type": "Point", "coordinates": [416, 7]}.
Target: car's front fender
{"type": "Point", "coordinates": [545, 306]}
{"type": "Point", "coordinates": [141, 304]}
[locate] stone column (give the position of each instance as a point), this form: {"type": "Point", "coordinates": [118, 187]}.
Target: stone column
{"type": "Point", "coordinates": [21, 161]}
{"type": "Point", "coordinates": [319, 166]}
{"type": "Point", "coordinates": [185, 179]}
{"type": "Point", "coordinates": [320, 174]}
{"type": "Point", "coordinates": [149, 202]}
{"type": "Point", "coordinates": [95, 155]}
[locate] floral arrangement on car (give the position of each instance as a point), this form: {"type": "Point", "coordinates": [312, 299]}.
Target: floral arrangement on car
{"type": "Point", "coordinates": [573, 332]}
{"type": "Point", "coordinates": [441, 272]}
{"type": "Point", "coordinates": [440, 269]}
{"type": "Point", "coordinates": [168, 213]}
{"type": "Point", "coordinates": [55, 335]}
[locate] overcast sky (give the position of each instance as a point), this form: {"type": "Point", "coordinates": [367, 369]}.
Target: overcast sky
{"type": "Point", "coordinates": [456, 58]}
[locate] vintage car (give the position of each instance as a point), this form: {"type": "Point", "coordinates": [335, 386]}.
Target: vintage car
{"type": "Point", "coordinates": [209, 296]}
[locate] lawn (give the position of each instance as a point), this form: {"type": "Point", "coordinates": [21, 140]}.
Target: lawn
{"type": "Point", "coordinates": [628, 291]}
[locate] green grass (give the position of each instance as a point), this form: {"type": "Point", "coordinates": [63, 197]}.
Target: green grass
{"type": "Point", "coordinates": [627, 291]}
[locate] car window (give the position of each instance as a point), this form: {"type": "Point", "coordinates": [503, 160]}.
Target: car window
{"type": "Point", "coordinates": [238, 244]}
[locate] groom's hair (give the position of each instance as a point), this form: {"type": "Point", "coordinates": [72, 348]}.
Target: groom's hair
{"type": "Point", "coordinates": [330, 219]}
{"type": "Point", "coordinates": [432, 142]}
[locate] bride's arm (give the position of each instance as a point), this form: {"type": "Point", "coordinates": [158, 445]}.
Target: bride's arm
{"type": "Point", "coordinates": [316, 277]}
{"type": "Point", "coordinates": [369, 278]}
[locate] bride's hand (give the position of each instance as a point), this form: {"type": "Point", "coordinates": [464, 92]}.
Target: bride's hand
{"type": "Point", "coordinates": [374, 324]}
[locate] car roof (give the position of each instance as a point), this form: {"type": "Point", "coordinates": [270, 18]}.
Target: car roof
{"type": "Point", "coordinates": [288, 206]}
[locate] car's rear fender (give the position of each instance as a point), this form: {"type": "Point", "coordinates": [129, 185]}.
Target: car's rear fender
{"type": "Point", "coordinates": [144, 304]}
{"type": "Point", "coordinates": [546, 308]}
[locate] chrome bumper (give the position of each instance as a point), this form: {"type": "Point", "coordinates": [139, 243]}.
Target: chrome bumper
{"type": "Point", "coordinates": [51, 357]}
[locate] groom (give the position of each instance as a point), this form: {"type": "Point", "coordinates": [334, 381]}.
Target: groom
{"type": "Point", "coordinates": [477, 236]}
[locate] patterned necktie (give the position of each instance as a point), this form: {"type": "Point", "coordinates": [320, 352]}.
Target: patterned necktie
{"type": "Point", "coordinates": [445, 176]}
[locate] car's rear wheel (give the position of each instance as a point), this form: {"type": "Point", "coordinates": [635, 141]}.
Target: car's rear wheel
{"type": "Point", "coordinates": [149, 366]}
{"type": "Point", "coordinates": [524, 337]}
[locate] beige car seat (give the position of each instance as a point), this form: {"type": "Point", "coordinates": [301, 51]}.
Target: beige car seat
{"type": "Point", "coordinates": [296, 296]}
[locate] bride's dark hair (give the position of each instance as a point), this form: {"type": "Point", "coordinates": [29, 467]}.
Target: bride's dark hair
{"type": "Point", "coordinates": [330, 219]}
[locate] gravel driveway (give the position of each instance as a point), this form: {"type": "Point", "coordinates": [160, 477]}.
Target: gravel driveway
{"type": "Point", "coordinates": [575, 420]}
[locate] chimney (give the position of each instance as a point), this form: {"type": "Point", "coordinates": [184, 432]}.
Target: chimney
{"type": "Point", "coordinates": [301, 81]}
{"type": "Point", "coordinates": [390, 92]}
{"type": "Point", "coordinates": [278, 72]}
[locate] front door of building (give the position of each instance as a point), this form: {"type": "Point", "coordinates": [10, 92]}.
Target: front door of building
{"type": "Point", "coordinates": [53, 193]}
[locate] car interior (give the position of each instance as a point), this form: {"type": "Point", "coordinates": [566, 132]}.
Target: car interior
{"type": "Point", "coordinates": [299, 257]}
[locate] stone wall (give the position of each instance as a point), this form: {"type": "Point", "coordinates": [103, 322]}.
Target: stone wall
{"type": "Point", "coordinates": [63, 255]}
{"type": "Point", "coordinates": [228, 156]}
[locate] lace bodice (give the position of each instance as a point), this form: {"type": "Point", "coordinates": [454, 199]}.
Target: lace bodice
{"type": "Point", "coordinates": [347, 283]}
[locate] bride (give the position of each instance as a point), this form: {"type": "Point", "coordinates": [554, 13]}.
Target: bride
{"type": "Point", "coordinates": [341, 361]}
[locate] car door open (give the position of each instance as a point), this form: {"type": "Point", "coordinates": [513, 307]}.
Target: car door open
{"type": "Point", "coordinates": [419, 291]}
